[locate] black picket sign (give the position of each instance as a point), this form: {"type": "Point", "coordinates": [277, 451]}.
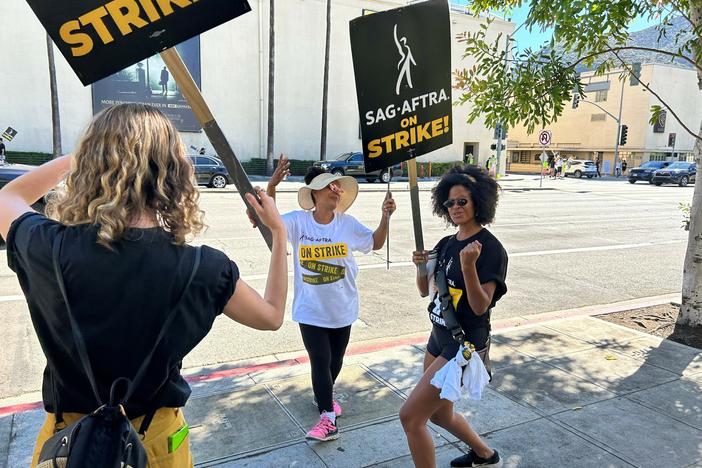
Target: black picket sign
{"type": "Point", "coordinates": [402, 63]}
{"type": "Point", "coordinates": [101, 37]}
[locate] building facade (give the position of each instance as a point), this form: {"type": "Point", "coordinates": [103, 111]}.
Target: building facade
{"type": "Point", "coordinates": [234, 81]}
{"type": "Point", "coordinates": [590, 130]}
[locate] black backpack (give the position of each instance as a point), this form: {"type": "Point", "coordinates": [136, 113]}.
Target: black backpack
{"type": "Point", "coordinates": [104, 438]}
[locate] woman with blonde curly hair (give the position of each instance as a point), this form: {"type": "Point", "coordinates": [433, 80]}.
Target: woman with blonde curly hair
{"type": "Point", "coordinates": [116, 233]}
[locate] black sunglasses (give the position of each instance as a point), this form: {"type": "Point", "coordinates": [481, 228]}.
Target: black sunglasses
{"type": "Point", "coordinates": [458, 201]}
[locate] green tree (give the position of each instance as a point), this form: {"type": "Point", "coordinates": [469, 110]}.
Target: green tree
{"type": "Point", "coordinates": [534, 87]}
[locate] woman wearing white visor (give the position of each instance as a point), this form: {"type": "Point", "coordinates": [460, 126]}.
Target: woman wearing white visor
{"type": "Point", "coordinates": [324, 238]}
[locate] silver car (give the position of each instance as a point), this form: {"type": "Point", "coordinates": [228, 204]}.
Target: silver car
{"type": "Point", "coordinates": [580, 167]}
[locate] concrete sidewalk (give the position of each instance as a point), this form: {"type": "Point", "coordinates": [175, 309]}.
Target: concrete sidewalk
{"type": "Point", "coordinates": [569, 392]}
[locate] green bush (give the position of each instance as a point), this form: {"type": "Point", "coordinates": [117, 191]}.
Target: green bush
{"type": "Point", "coordinates": [34, 159]}
{"type": "Point", "coordinates": [437, 168]}
{"type": "Point", "coordinates": [257, 166]}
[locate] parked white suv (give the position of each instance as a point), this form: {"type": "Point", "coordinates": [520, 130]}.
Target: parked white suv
{"type": "Point", "coordinates": [580, 167]}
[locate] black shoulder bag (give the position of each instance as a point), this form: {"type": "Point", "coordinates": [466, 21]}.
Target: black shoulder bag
{"type": "Point", "coordinates": [105, 437]}
{"type": "Point", "coordinates": [449, 313]}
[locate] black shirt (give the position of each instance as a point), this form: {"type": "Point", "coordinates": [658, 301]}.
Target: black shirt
{"type": "Point", "coordinates": [120, 298]}
{"type": "Point", "coordinates": [2, 148]}
{"type": "Point", "coordinates": [491, 266]}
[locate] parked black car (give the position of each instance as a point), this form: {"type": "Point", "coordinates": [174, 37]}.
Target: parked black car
{"type": "Point", "coordinates": [9, 172]}
{"type": "Point", "coordinates": [210, 171]}
{"type": "Point", "coordinates": [646, 170]}
{"type": "Point", "coordinates": [351, 164]}
{"type": "Point", "coordinates": [680, 173]}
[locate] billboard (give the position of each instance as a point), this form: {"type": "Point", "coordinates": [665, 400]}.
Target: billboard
{"type": "Point", "coordinates": [150, 82]}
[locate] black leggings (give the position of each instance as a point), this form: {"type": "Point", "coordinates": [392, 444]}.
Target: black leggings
{"type": "Point", "coordinates": [326, 348]}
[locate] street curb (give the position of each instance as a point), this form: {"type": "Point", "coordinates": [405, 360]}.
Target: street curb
{"type": "Point", "coordinates": [381, 344]}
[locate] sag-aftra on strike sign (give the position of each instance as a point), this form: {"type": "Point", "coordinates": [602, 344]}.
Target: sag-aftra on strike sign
{"type": "Point", "coordinates": [101, 37]}
{"type": "Point", "coordinates": [402, 65]}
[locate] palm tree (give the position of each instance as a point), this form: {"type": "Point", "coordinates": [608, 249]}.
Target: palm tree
{"type": "Point", "coordinates": [271, 89]}
{"type": "Point", "coordinates": [325, 90]}
{"type": "Point", "coordinates": [55, 116]}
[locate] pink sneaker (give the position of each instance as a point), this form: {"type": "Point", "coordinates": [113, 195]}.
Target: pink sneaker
{"type": "Point", "coordinates": [336, 407]}
{"type": "Point", "coordinates": [324, 430]}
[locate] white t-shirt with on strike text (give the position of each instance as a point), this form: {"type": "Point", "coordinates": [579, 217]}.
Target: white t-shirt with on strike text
{"type": "Point", "coordinates": [325, 269]}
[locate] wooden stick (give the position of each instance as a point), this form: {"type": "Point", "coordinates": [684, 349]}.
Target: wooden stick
{"type": "Point", "coordinates": [388, 195]}
{"type": "Point", "coordinates": [416, 213]}
{"type": "Point", "coordinates": [214, 133]}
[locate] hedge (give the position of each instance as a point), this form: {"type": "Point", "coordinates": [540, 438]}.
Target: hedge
{"type": "Point", "coordinates": [433, 169]}
{"type": "Point", "coordinates": [34, 159]}
{"type": "Point", "coordinates": [257, 166]}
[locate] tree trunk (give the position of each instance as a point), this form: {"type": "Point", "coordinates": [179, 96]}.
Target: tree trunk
{"type": "Point", "coordinates": [271, 90]}
{"type": "Point", "coordinates": [55, 116]}
{"type": "Point", "coordinates": [325, 89]}
{"type": "Point", "coordinates": [691, 307]}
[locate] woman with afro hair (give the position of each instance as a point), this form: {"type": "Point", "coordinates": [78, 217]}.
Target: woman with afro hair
{"type": "Point", "coordinates": [476, 266]}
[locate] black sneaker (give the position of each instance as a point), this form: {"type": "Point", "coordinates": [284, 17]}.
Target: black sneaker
{"type": "Point", "coordinates": [472, 459]}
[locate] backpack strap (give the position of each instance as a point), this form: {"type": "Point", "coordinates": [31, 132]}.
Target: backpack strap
{"type": "Point", "coordinates": [447, 310]}
{"type": "Point", "coordinates": [166, 325]}
{"type": "Point", "coordinates": [78, 337]}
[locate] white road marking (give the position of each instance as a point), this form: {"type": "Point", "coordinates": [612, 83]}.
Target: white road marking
{"type": "Point", "coordinates": [536, 253]}
{"type": "Point", "coordinates": [11, 298]}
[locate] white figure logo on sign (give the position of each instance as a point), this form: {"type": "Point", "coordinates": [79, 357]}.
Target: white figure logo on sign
{"type": "Point", "coordinates": [405, 63]}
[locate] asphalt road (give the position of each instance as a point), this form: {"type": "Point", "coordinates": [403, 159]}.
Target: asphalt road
{"type": "Point", "coordinates": [573, 243]}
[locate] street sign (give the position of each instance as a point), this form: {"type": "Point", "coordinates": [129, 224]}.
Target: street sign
{"type": "Point", "coordinates": [543, 156]}
{"type": "Point", "coordinates": [101, 37]}
{"type": "Point", "coordinates": [9, 134]}
{"type": "Point", "coordinates": [545, 138]}
{"type": "Point", "coordinates": [402, 66]}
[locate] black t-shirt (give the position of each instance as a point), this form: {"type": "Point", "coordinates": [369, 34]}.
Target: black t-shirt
{"type": "Point", "coordinates": [491, 266]}
{"type": "Point", "coordinates": [2, 148]}
{"type": "Point", "coordinates": [120, 298]}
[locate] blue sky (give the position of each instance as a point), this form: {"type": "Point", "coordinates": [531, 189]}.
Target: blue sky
{"type": "Point", "coordinates": [534, 39]}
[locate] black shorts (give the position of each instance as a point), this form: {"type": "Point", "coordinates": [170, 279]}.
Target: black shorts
{"type": "Point", "coordinates": [441, 343]}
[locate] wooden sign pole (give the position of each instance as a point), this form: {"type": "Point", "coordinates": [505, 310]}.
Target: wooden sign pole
{"type": "Point", "coordinates": [192, 94]}
{"type": "Point", "coordinates": [416, 213]}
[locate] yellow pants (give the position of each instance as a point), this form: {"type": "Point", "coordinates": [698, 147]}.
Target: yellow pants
{"type": "Point", "coordinates": [166, 422]}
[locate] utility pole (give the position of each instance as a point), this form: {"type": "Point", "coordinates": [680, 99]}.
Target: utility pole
{"type": "Point", "coordinates": [501, 125]}
{"type": "Point", "coordinates": [619, 128]}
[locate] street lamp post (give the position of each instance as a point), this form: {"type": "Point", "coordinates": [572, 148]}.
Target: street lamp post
{"type": "Point", "coordinates": [619, 128]}
{"type": "Point", "coordinates": [501, 126]}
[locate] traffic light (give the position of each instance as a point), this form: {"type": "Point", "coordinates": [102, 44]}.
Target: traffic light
{"type": "Point", "coordinates": [498, 131]}
{"type": "Point", "coordinates": [494, 147]}
{"type": "Point", "coordinates": [623, 135]}
{"type": "Point", "coordinates": [576, 100]}
{"type": "Point", "coordinates": [635, 75]}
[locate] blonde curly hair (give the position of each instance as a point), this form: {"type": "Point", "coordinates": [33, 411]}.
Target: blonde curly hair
{"type": "Point", "coordinates": [130, 162]}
